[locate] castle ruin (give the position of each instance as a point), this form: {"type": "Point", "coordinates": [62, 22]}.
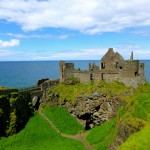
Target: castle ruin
{"type": "Point", "coordinates": [112, 67]}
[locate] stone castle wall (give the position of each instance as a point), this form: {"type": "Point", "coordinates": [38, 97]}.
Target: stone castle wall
{"type": "Point", "coordinates": [130, 69]}
{"type": "Point", "coordinates": [83, 76]}
{"type": "Point", "coordinates": [110, 77]}
{"type": "Point", "coordinates": [112, 67]}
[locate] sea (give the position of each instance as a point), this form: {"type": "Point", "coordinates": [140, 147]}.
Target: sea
{"type": "Point", "coordinates": [23, 74]}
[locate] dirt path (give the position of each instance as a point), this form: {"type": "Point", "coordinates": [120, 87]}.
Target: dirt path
{"type": "Point", "coordinates": [79, 137]}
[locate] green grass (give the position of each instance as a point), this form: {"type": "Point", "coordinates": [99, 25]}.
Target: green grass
{"type": "Point", "coordinates": [101, 136]}
{"type": "Point", "coordinates": [143, 106]}
{"type": "Point", "coordinates": [38, 135]}
{"type": "Point", "coordinates": [98, 133]}
{"type": "Point", "coordinates": [109, 138]}
{"type": "Point", "coordinates": [138, 141]}
{"type": "Point", "coordinates": [63, 120]}
{"type": "Point", "coordinates": [141, 110]}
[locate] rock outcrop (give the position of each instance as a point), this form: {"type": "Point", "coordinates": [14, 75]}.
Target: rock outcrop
{"type": "Point", "coordinates": [125, 130]}
{"type": "Point", "coordinates": [91, 110]}
{"type": "Point", "coordinates": [39, 82]}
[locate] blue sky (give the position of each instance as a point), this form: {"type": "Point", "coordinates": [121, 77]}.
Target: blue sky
{"type": "Point", "coordinates": [73, 29]}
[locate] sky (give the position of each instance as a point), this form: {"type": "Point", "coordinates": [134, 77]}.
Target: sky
{"type": "Point", "coordinates": [73, 29]}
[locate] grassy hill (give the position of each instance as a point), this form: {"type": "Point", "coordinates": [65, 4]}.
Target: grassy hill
{"type": "Point", "coordinates": [131, 125]}
{"type": "Point", "coordinates": [101, 136]}
{"type": "Point", "coordinates": [38, 135]}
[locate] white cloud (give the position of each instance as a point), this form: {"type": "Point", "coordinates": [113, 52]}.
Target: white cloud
{"type": "Point", "coordinates": [46, 36]}
{"type": "Point", "coordinates": [143, 55]}
{"type": "Point", "coordinates": [141, 32]}
{"type": "Point", "coordinates": [11, 43]}
{"type": "Point", "coordinates": [97, 54]}
{"type": "Point", "coordinates": [87, 16]}
{"type": "Point", "coordinates": [85, 54]}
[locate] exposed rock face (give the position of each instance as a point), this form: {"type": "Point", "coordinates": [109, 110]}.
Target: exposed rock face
{"type": "Point", "coordinates": [49, 84]}
{"type": "Point", "coordinates": [92, 110]}
{"type": "Point", "coordinates": [39, 82]}
{"type": "Point", "coordinates": [95, 109]}
{"type": "Point", "coordinates": [125, 130]}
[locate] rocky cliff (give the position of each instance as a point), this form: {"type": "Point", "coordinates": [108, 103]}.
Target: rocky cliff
{"type": "Point", "coordinates": [91, 110]}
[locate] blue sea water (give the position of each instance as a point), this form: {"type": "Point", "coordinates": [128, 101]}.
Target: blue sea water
{"type": "Point", "coordinates": [24, 74]}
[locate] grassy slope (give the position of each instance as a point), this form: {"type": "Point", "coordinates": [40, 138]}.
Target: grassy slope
{"type": "Point", "coordinates": [101, 136]}
{"type": "Point", "coordinates": [63, 120]}
{"type": "Point", "coordinates": [40, 136]}
{"type": "Point", "coordinates": [138, 107]}
{"type": "Point", "coordinates": [97, 134]}
{"type": "Point", "coordinates": [138, 141]}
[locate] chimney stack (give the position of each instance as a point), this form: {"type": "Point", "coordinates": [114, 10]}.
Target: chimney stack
{"type": "Point", "coordinates": [131, 57]}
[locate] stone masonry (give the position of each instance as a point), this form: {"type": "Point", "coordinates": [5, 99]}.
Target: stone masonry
{"type": "Point", "coordinates": [112, 67]}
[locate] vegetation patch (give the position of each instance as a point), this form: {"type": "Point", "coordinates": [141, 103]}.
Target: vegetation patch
{"type": "Point", "coordinates": [15, 112]}
{"type": "Point", "coordinates": [108, 139]}
{"type": "Point", "coordinates": [102, 136]}
{"type": "Point", "coordinates": [138, 141]}
{"type": "Point", "coordinates": [131, 124]}
{"type": "Point", "coordinates": [2, 88]}
{"type": "Point", "coordinates": [70, 92]}
{"type": "Point", "coordinates": [97, 134]}
{"type": "Point", "coordinates": [63, 120]}
{"type": "Point", "coordinates": [38, 135]}
{"type": "Point", "coordinates": [142, 96]}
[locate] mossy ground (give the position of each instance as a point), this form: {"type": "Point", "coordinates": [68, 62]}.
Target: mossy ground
{"type": "Point", "coordinates": [70, 92]}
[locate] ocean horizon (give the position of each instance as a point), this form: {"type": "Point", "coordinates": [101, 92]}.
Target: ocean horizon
{"type": "Point", "coordinates": [23, 74]}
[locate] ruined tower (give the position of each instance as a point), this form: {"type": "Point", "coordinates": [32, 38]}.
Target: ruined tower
{"type": "Point", "coordinates": [62, 69]}
{"type": "Point", "coordinates": [66, 70]}
{"type": "Point", "coordinates": [131, 57]}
